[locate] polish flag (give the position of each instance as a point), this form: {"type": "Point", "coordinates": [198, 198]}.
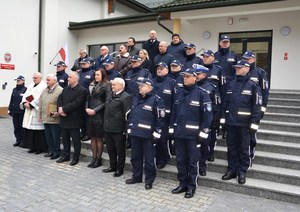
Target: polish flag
{"type": "Point", "coordinates": [63, 52]}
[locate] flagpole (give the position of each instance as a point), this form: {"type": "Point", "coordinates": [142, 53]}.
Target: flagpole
{"type": "Point", "coordinates": [54, 57]}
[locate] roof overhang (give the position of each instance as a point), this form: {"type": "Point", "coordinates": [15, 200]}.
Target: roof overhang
{"type": "Point", "coordinates": [181, 5]}
{"type": "Point", "coordinates": [116, 21]}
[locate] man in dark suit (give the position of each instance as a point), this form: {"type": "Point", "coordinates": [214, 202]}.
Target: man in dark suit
{"type": "Point", "coordinates": [71, 109]}
{"type": "Point", "coordinates": [151, 45]}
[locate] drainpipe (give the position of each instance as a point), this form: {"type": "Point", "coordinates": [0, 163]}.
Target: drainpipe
{"type": "Point", "coordinates": [160, 24]}
{"type": "Point", "coordinates": [40, 36]}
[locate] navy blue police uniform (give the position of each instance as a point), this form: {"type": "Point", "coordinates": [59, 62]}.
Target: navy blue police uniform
{"type": "Point", "coordinates": [259, 76]}
{"type": "Point", "coordinates": [146, 121]}
{"type": "Point", "coordinates": [16, 112]}
{"type": "Point", "coordinates": [242, 112]}
{"type": "Point", "coordinates": [226, 59]}
{"type": "Point", "coordinates": [191, 59]}
{"type": "Point", "coordinates": [62, 76]}
{"type": "Point", "coordinates": [164, 87]}
{"type": "Point", "coordinates": [207, 147]}
{"type": "Point", "coordinates": [190, 121]}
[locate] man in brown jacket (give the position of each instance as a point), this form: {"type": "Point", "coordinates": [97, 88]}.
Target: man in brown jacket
{"type": "Point", "coordinates": [49, 116]}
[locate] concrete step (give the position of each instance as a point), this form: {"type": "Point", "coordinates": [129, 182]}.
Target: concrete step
{"type": "Point", "coordinates": [284, 101]}
{"type": "Point", "coordinates": [285, 94]}
{"type": "Point", "coordinates": [255, 187]}
{"type": "Point", "coordinates": [283, 109]}
{"type": "Point", "coordinates": [273, 135]}
{"type": "Point", "coordinates": [266, 158]}
{"type": "Point", "coordinates": [283, 117]}
{"type": "Point", "coordinates": [288, 148]}
{"type": "Point", "coordinates": [263, 172]}
{"type": "Point", "coordinates": [280, 126]}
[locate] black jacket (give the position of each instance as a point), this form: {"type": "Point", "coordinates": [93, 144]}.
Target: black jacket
{"type": "Point", "coordinates": [16, 98]}
{"type": "Point", "coordinates": [72, 101]}
{"type": "Point", "coordinates": [116, 112]}
{"type": "Point", "coordinates": [98, 93]}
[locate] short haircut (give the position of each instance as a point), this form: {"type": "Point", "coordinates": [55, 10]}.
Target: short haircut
{"type": "Point", "coordinates": [52, 76]}
{"type": "Point", "coordinates": [119, 80]}
{"type": "Point", "coordinates": [132, 38]}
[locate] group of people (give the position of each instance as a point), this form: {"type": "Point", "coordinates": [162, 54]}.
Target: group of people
{"type": "Point", "coordinates": [158, 100]}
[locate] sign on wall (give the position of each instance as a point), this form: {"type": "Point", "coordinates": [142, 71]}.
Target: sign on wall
{"type": "Point", "coordinates": [7, 59]}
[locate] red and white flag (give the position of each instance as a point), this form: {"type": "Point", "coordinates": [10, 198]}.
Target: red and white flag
{"type": "Point", "coordinates": [63, 52]}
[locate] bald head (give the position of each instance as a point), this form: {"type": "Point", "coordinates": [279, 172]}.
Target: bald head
{"type": "Point", "coordinates": [152, 34]}
{"type": "Point", "coordinates": [163, 47]}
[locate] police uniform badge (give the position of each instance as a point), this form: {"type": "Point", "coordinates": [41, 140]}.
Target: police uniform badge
{"type": "Point", "coordinates": [259, 100]}
{"type": "Point", "coordinates": [161, 112]}
{"type": "Point", "coordinates": [208, 107]}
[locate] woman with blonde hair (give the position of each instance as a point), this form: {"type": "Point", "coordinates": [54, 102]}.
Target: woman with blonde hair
{"type": "Point", "coordinates": [146, 63]}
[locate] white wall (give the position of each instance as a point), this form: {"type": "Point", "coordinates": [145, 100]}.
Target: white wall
{"type": "Point", "coordinates": [19, 36]}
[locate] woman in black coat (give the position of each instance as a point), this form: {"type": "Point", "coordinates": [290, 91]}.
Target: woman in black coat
{"type": "Point", "coordinates": [99, 90]}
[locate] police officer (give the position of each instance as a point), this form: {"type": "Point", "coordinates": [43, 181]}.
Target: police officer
{"type": "Point", "coordinates": [62, 76]}
{"type": "Point", "coordinates": [135, 74]}
{"type": "Point", "coordinates": [164, 87]}
{"type": "Point", "coordinates": [207, 147]}
{"type": "Point", "coordinates": [146, 121]}
{"type": "Point", "coordinates": [226, 58]}
{"type": "Point", "coordinates": [176, 69]}
{"type": "Point", "coordinates": [109, 65]}
{"type": "Point", "coordinates": [86, 76]}
{"type": "Point", "coordinates": [191, 57]}
{"type": "Point", "coordinates": [15, 111]}
{"type": "Point", "coordinates": [259, 76]}
{"type": "Point", "coordinates": [190, 121]}
{"type": "Point", "coordinates": [242, 113]}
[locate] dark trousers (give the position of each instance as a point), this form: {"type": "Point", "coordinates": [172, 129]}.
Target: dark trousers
{"type": "Point", "coordinates": [204, 151]}
{"type": "Point", "coordinates": [212, 142]}
{"type": "Point", "coordinates": [75, 135]}
{"type": "Point", "coordinates": [187, 157]}
{"type": "Point", "coordinates": [162, 148]}
{"type": "Point", "coordinates": [143, 149]}
{"type": "Point", "coordinates": [238, 144]}
{"type": "Point", "coordinates": [252, 145]}
{"type": "Point", "coordinates": [18, 129]}
{"type": "Point", "coordinates": [52, 133]}
{"type": "Point", "coordinates": [115, 144]}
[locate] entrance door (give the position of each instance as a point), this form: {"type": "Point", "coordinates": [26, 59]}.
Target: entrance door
{"type": "Point", "coordinates": [260, 42]}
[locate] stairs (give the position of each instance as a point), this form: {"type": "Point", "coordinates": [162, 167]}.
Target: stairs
{"type": "Point", "coordinates": [275, 173]}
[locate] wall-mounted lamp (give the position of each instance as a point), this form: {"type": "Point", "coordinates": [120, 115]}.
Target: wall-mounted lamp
{"type": "Point", "coordinates": [4, 86]}
{"type": "Point", "coordinates": [230, 21]}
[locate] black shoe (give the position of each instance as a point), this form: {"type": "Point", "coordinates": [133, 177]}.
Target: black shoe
{"type": "Point", "coordinates": [74, 162]}
{"type": "Point", "coordinates": [21, 145]}
{"type": "Point", "coordinates": [190, 193]}
{"type": "Point", "coordinates": [202, 173]}
{"type": "Point", "coordinates": [97, 163]}
{"type": "Point", "coordinates": [17, 144]}
{"type": "Point", "coordinates": [32, 151]}
{"type": "Point", "coordinates": [179, 190]}
{"type": "Point", "coordinates": [242, 179]}
{"type": "Point", "coordinates": [224, 135]}
{"type": "Point", "coordinates": [92, 162]}
{"type": "Point", "coordinates": [211, 159]}
{"type": "Point", "coordinates": [48, 155]}
{"type": "Point", "coordinates": [63, 159]}
{"type": "Point", "coordinates": [128, 145]}
{"type": "Point", "coordinates": [132, 181]}
{"type": "Point", "coordinates": [118, 173]}
{"type": "Point", "coordinates": [38, 152]}
{"type": "Point", "coordinates": [54, 156]}
{"type": "Point", "coordinates": [109, 169]}
{"type": "Point", "coordinates": [228, 176]}
{"type": "Point", "coordinates": [160, 166]}
{"type": "Point", "coordinates": [86, 138]}
{"type": "Point", "coordinates": [148, 186]}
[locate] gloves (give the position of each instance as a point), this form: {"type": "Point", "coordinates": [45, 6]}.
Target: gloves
{"type": "Point", "coordinates": [171, 133]}
{"type": "Point", "coordinates": [263, 110]}
{"type": "Point", "coordinates": [253, 128]}
{"type": "Point", "coordinates": [156, 137]}
{"type": "Point", "coordinates": [203, 135]}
